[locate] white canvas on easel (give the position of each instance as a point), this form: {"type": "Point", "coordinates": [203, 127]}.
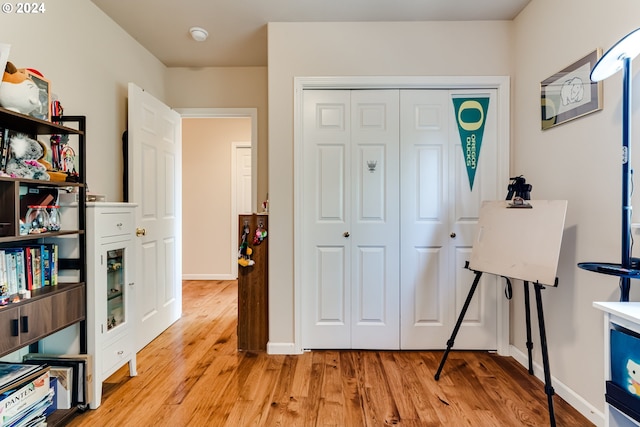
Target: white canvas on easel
{"type": "Point", "coordinates": [519, 243]}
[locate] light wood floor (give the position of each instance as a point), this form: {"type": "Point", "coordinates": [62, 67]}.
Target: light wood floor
{"type": "Point", "coordinates": [192, 375]}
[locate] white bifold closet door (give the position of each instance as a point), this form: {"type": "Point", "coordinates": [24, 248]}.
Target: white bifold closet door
{"type": "Point", "coordinates": [387, 222]}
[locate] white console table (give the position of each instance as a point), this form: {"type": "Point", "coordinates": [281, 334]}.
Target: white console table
{"type": "Point", "coordinates": [627, 315]}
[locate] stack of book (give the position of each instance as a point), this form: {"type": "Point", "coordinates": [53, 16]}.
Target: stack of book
{"type": "Point", "coordinates": [28, 268]}
{"type": "Point", "coordinates": [25, 394]}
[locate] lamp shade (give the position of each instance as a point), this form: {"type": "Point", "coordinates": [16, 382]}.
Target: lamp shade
{"type": "Point", "coordinates": [613, 61]}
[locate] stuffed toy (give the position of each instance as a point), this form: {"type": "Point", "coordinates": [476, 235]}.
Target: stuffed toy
{"type": "Point", "coordinates": [24, 154]}
{"type": "Point", "coordinates": [244, 252]}
{"type": "Point", "coordinates": [18, 92]}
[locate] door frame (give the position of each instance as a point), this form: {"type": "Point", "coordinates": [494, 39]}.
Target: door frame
{"type": "Point", "coordinates": [500, 83]}
{"type": "Point", "coordinates": [252, 113]}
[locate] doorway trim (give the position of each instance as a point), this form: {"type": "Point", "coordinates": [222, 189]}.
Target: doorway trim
{"type": "Point", "coordinates": [500, 83]}
{"type": "Point", "coordinates": [252, 113]}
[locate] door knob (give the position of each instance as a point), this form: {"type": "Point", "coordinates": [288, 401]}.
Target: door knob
{"type": "Point", "coordinates": [346, 234]}
{"type": "Point", "coordinates": [140, 232]}
{"type": "Point", "coordinates": [452, 235]}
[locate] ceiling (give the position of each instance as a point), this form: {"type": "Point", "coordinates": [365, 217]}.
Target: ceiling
{"type": "Point", "coordinates": [238, 28]}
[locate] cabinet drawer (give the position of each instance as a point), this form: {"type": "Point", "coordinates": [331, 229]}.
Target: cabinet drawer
{"type": "Point", "coordinates": [114, 223]}
{"type": "Point", "coordinates": [117, 353]}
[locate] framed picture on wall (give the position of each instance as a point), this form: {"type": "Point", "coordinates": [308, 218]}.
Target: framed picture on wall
{"type": "Point", "coordinates": [570, 93]}
{"type": "Point", "coordinates": [44, 112]}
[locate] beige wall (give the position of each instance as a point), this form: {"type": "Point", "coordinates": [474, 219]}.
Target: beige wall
{"type": "Point", "coordinates": [225, 87]}
{"type": "Point", "coordinates": [207, 251]}
{"type": "Point", "coordinates": [89, 60]}
{"type": "Point", "coordinates": [353, 49]}
{"type": "Point", "coordinates": [578, 161]}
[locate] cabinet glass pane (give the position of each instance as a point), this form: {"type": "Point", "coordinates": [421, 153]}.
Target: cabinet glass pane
{"type": "Point", "coordinates": [115, 288]}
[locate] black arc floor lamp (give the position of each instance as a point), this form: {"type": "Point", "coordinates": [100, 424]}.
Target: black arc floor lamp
{"type": "Point", "coordinates": [617, 58]}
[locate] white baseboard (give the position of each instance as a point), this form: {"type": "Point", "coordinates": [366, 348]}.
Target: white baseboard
{"type": "Point", "coordinates": [281, 348]}
{"type": "Point", "coordinates": [208, 277]}
{"type": "Point", "coordinates": [571, 397]}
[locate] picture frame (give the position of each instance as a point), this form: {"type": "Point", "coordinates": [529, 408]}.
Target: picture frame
{"type": "Point", "coordinates": [570, 93]}
{"type": "Point", "coordinates": [44, 112]}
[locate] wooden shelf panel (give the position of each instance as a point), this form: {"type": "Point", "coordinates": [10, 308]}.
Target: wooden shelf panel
{"type": "Point", "coordinates": [30, 125]}
{"type": "Point", "coordinates": [29, 237]}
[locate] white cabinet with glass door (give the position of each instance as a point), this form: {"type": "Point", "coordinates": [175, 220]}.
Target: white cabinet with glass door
{"type": "Point", "coordinates": [110, 291]}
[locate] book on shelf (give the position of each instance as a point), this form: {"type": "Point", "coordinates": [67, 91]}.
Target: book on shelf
{"type": "Point", "coordinates": [4, 148]}
{"type": "Point", "coordinates": [12, 273]}
{"type": "Point", "coordinates": [54, 264]}
{"type": "Point", "coordinates": [36, 267]}
{"type": "Point", "coordinates": [46, 265]}
{"type": "Point", "coordinates": [20, 271]}
{"type": "Point", "coordinates": [17, 373]}
{"type": "Point", "coordinates": [4, 280]}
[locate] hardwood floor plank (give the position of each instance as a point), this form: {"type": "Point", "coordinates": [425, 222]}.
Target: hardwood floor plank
{"type": "Point", "coordinates": [192, 375]}
{"type": "Point", "coordinates": [398, 387]}
{"type": "Point", "coordinates": [414, 376]}
{"type": "Point", "coordinates": [352, 390]}
{"type": "Point", "coordinates": [380, 407]}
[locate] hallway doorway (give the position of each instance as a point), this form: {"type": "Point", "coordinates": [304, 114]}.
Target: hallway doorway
{"type": "Point", "coordinates": [213, 140]}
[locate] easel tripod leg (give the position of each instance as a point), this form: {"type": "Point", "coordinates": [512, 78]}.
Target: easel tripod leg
{"type": "Point", "coordinates": [458, 323]}
{"type": "Point", "coordinates": [527, 310]}
{"type": "Point", "coordinates": [548, 388]}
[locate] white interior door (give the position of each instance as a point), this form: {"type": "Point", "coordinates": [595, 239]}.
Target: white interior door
{"type": "Point", "coordinates": [439, 215]}
{"type": "Point", "coordinates": [241, 178]}
{"type": "Point", "coordinates": [350, 215]}
{"type": "Point", "coordinates": [375, 219]}
{"type": "Point", "coordinates": [155, 184]}
{"type": "Point", "coordinates": [326, 216]}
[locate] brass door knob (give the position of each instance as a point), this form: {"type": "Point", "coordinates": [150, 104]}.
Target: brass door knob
{"type": "Point", "coordinates": [141, 232]}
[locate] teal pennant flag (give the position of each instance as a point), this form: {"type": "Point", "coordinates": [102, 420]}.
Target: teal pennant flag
{"type": "Point", "coordinates": [471, 115]}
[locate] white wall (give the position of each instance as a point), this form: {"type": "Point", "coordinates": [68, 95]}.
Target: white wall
{"type": "Point", "coordinates": [89, 60]}
{"type": "Point", "coordinates": [353, 49]}
{"type": "Point", "coordinates": [579, 161]}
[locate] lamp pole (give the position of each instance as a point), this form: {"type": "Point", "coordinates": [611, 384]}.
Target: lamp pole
{"type": "Point", "coordinates": [625, 282]}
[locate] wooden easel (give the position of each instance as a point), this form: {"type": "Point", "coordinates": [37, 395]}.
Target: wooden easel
{"type": "Point", "coordinates": [521, 244]}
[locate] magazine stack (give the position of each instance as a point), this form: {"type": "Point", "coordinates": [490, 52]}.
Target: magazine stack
{"type": "Point", "coordinates": [26, 395]}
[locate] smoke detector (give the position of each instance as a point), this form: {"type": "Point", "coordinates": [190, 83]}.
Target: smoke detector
{"type": "Point", "coordinates": [198, 34]}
